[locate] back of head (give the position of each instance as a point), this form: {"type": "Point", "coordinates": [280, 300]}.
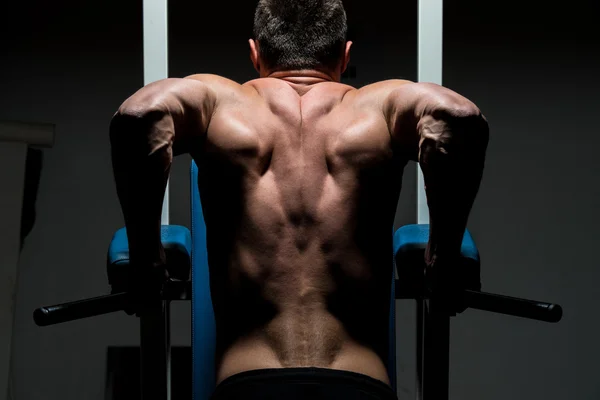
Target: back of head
{"type": "Point", "coordinates": [300, 34]}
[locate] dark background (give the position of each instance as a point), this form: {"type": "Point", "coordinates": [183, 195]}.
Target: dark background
{"type": "Point", "coordinates": [530, 66]}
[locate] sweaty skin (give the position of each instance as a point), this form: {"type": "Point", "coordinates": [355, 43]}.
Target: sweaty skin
{"type": "Point", "coordinates": [299, 179]}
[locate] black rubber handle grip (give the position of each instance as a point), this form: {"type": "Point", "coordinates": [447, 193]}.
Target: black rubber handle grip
{"type": "Point", "coordinates": [530, 309]}
{"type": "Point", "coordinates": [51, 315]}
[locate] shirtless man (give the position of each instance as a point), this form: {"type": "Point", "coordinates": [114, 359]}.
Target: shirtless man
{"type": "Point", "coordinates": [299, 180]}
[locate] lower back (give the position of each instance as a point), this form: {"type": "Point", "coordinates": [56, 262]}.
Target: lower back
{"type": "Point", "coordinates": [306, 339]}
{"type": "Point", "coordinates": [278, 307]}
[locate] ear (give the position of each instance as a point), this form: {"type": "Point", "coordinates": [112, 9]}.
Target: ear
{"type": "Point", "coordinates": [254, 54]}
{"type": "Point", "coordinates": [346, 56]}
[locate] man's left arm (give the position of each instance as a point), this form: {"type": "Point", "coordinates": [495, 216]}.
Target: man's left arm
{"type": "Point", "coordinates": [158, 122]}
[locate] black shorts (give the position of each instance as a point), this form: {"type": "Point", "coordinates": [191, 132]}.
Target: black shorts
{"type": "Point", "coordinates": [302, 384]}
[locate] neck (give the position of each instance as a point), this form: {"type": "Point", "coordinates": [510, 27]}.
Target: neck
{"type": "Point", "coordinates": [302, 81]}
{"type": "Point", "coordinates": [303, 77]}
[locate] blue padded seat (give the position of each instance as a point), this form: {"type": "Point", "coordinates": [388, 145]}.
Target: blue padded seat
{"type": "Point", "coordinates": [410, 242]}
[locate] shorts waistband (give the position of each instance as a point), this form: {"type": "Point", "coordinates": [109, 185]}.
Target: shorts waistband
{"type": "Point", "coordinates": [307, 375]}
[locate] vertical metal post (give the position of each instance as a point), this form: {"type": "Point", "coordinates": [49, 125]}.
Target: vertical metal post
{"type": "Point", "coordinates": [156, 58]}
{"type": "Point", "coordinates": [15, 137]}
{"type": "Point", "coordinates": [433, 324]}
{"type": "Point", "coordinates": [436, 351]}
{"type": "Point", "coordinates": [420, 327]}
{"type": "Point", "coordinates": [155, 350]}
{"type": "Point", "coordinates": [13, 157]}
{"type": "Point", "coordinates": [154, 320]}
{"type": "Point", "coordinates": [433, 350]}
{"type": "Point", "coordinates": [429, 65]}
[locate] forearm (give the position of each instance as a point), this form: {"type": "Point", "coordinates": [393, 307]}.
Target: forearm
{"type": "Point", "coordinates": [141, 148]}
{"type": "Point", "coordinates": [452, 147]}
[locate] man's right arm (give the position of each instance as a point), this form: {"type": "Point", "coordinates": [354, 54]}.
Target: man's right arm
{"type": "Point", "coordinates": [448, 136]}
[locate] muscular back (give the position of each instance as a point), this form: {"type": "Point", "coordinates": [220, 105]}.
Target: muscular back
{"type": "Point", "coordinates": [299, 181]}
{"type": "Point", "coordinates": [299, 192]}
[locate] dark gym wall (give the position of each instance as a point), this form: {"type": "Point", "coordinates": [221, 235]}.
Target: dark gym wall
{"type": "Point", "coordinates": [72, 64]}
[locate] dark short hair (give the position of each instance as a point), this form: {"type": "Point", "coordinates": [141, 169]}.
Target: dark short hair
{"type": "Point", "coordinates": [300, 34]}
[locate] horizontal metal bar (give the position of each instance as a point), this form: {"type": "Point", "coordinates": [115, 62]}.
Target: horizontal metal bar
{"type": "Point", "coordinates": [75, 310]}
{"type": "Point", "coordinates": [530, 309]}
{"type": "Point", "coordinates": [180, 290]}
{"type": "Point", "coordinates": [51, 315]}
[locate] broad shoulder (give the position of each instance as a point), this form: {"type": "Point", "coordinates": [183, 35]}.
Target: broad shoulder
{"type": "Point", "coordinates": [215, 80]}
{"type": "Point", "coordinates": [224, 89]}
{"type": "Point", "coordinates": [376, 94]}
